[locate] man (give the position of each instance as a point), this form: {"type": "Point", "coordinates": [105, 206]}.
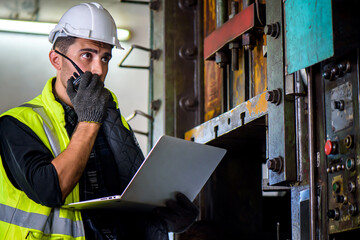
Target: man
{"type": "Point", "coordinates": [71, 143]}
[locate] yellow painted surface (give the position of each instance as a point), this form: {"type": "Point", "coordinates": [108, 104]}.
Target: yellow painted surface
{"type": "Point", "coordinates": [258, 107]}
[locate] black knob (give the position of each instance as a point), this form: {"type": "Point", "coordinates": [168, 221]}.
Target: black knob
{"type": "Point", "coordinates": [334, 214]}
{"type": "Point", "coordinates": [326, 74]}
{"type": "Point", "coordinates": [335, 71]}
{"type": "Point", "coordinates": [340, 105]}
{"type": "Point", "coordinates": [341, 69]}
{"type": "Point", "coordinates": [352, 210]}
{"type": "Point", "coordinates": [340, 199]}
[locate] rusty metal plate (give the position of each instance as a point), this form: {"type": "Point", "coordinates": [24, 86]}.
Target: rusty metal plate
{"type": "Point", "coordinates": [212, 93]}
{"type": "Point", "coordinates": [238, 82]}
{"type": "Point", "coordinates": [229, 31]}
{"type": "Point", "coordinates": [259, 67]}
{"type": "Point", "coordinates": [212, 74]}
{"type": "Point", "coordinates": [227, 122]}
{"type": "Point", "coordinates": [209, 17]}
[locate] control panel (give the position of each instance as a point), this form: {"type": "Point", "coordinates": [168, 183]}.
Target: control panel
{"type": "Point", "coordinates": [342, 148]}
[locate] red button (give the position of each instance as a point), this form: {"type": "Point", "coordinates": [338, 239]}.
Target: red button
{"type": "Point", "coordinates": [328, 147]}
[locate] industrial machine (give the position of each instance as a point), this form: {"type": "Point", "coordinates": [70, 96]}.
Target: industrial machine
{"type": "Point", "coordinates": [276, 83]}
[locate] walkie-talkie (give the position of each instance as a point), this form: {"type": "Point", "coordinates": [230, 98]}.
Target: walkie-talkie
{"type": "Point", "coordinates": [76, 76]}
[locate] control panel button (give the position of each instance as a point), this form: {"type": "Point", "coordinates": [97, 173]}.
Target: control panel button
{"type": "Point", "coordinates": [351, 187]}
{"type": "Point", "coordinates": [336, 187]}
{"type": "Point", "coordinates": [340, 105]}
{"type": "Point", "coordinates": [330, 147]}
{"type": "Point", "coordinates": [341, 199]}
{"type": "Point", "coordinates": [334, 214]}
{"type": "Point", "coordinates": [352, 210]}
{"type": "Point", "coordinates": [348, 141]}
{"type": "Point", "coordinates": [350, 164]}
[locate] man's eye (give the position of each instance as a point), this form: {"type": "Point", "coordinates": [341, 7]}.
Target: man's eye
{"type": "Point", "coordinates": [86, 55]}
{"type": "Point", "coordinates": [105, 59]}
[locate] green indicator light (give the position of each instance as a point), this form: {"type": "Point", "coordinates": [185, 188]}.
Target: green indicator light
{"type": "Point", "coordinates": [349, 164]}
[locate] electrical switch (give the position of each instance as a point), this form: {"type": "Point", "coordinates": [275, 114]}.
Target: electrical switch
{"type": "Point", "coordinates": [352, 210]}
{"type": "Point", "coordinates": [350, 164]}
{"type": "Point", "coordinates": [340, 105]}
{"type": "Point", "coordinates": [336, 187]}
{"type": "Point", "coordinates": [330, 147]}
{"type": "Point", "coordinates": [348, 141]}
{"type": "Point", "coordinates": [351, 187]}
{"type": "Point", "coordinates": [334, 214]}
{"type": "Point", "coordinates": [341, 199]}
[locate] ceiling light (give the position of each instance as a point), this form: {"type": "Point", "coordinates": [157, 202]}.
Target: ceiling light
{"type": "Point", "coordinates": [43, 28]}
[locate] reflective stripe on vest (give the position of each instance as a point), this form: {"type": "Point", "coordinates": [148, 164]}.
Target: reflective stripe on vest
{"type": "Point", "coordinates": [53, 223]}
{"type": "Point", "coordinates": [48, 128]}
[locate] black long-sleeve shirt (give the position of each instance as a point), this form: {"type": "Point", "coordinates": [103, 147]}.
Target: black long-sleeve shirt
{"type": "Point", "coordinates": [27, 162]}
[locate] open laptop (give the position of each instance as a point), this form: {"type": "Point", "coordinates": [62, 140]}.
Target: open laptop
{"type": "Point", "coordinates": [173, 165]}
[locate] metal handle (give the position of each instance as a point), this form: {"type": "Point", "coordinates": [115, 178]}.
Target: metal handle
{"type": "Point", "coordinates": [154, 55]}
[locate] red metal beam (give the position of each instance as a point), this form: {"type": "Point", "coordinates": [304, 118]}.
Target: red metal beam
{"type": "Point", "coordinates": [229, 31]}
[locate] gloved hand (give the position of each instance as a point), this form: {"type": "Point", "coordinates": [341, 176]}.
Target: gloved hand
{"type": "Point", "coordinates": [91, 99]}
{"type": "Point", "coordinates": [179, 215]}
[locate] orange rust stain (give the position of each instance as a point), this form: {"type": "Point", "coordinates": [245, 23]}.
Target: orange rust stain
{"type": "Point", "coordinates": [260, 65]}
{"type": "Point", "coordinates": [212, 90]}
{"type": "Point", "coordinates": [239, 82]}
{"type": "Point", "coordinates": [257, 107]}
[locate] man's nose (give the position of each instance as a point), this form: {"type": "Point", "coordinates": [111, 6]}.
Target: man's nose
{"type": "Point", "coordinates": [97, 68]}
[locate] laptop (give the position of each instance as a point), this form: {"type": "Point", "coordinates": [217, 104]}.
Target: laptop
{"type": "Point", "coordinates": [173, 165]}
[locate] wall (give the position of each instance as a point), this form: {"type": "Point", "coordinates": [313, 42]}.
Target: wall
{"type": "Point", "coordinates": [24, 64]}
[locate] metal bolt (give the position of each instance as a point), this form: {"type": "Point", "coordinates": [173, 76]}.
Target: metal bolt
{"type": "Point", "coordinates": [221, 59]}
{"type": "Point", "coordinates": [154, 5]}
{"type": "Point", "coordinates": [155, 105]}
{"type": "Point", "coordinates": [274, 96]}
{"type": "Point", "coordinates": [275, 164]}
{"type": "Point", "coordinates": [272, 30]}
{"type": "Point", "coordinates": [190, 51]}
{"type": "Point", "coordinates": [190, 102]}
{"type": "Point", "coordinates": [155, 54]}
{"type": "Point", "coordinates": [234, 47]}
{"type": "Point", "coordinates": [234, 9]}
{"type": "Point", "coordinates": [248, 40]}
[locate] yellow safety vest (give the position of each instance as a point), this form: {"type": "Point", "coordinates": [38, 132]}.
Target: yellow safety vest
{"type": "Point", "coordinates": [21, 217]}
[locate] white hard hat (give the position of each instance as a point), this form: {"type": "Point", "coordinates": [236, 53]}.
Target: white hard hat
{"type": "Point", "coordinates": [89, 21]}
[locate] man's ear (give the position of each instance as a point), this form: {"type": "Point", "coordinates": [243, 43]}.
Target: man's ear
{"type": "Point", "coordinates": [55, 59]}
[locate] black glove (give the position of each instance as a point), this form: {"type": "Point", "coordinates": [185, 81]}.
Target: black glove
{"type": "Point", "coordinates": [179, 215]}
{"type": "Point", "coordinates": [91, 99]}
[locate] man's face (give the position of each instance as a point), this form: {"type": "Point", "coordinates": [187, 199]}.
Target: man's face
{"type": "Point", "coordinates": [89, 55]}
